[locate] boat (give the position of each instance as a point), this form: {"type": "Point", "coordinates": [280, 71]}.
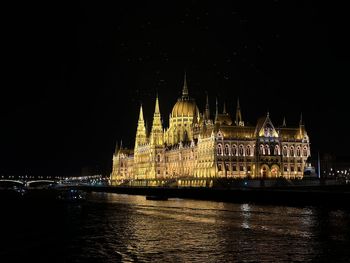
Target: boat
{"type": "Point", "coordinates": [157, 197]}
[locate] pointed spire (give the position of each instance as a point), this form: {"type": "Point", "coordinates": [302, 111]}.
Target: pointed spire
{"type": "Point", "coordinates": [141, 114]}
{"type": "Point", "coordinates": [284, 124]}
{"type": "Point", "coordinates": [157, 123]}
{"type": "Point", "coordinates": [116, 148]}
{"type": "Point", "coordinates": [121, 144]}
{"type": "Point", "coordinates": [207, 110]}
{"type": "Point", "coordinates": [157, 129]}
{"type": "Point", "coordinates": [185, 88]}
{"type": "Point", "coordinates": [224, 110]}
{"type": "Point", "coordinates": [239, 121]}
{"type": "Point", "coordinates": [301, 119]}
{"type": "Point", "coordinates": [156, 110]}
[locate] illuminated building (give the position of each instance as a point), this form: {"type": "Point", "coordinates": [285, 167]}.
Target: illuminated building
{"type": "Point", "coordinates": [196, 147]}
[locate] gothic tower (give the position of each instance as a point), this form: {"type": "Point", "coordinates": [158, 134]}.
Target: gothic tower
{"type": "Point", "coordinates": [141, 137]}
{"type": "Point", "coordinates": [157, 129]}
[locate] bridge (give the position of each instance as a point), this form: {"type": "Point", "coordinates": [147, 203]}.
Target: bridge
{"type": "Point", "coordinates": [4, 181]}
{"type": "Point", "coordinates": [40, 183]}
{"type": "Point", "coordinates": [24, 181]}
{"type": "Point", "coordinates": [20, 183]}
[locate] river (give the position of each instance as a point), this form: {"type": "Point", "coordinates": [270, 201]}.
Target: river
{"type": "Point", "coordinates": [125, 228]}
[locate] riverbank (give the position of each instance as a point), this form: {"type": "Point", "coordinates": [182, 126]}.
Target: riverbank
{"type": "Point", "coordinates": [327, 195]}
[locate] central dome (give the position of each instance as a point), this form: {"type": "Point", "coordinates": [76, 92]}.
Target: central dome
{"type": "Point", "coordinates": [185, 108]}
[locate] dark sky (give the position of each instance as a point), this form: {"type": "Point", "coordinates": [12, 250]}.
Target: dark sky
{"type": "Point", "coordinates": [75, 72]}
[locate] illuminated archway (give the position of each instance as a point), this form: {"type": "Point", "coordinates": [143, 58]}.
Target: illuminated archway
{"type": "Point", "coordinates": [264, 171]}
{"type": "Point", "coordinates": [275, 170]}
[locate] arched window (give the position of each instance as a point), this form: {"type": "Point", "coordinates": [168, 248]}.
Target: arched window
{"type": "Point", "coordinates": [185, 136]}
{"type": "Point", "coordinates": [262, 149]}
{"type": "Point", "coordinates": [219, 167]}
{"type": "Point", "coordinates": [158, 158]}
{"type": "Point", "coordinates": [276, 151]}
{"type": "Point", "coordinates": [227, 149]}
{"type": "Point", "coordinates": [298, 151]}
{"type": "Point", "coordinates": [248, 151]}
{"type": "Point", "coordinates": [241, 150]}
{"type": "Point", "coordinates": [267, 149]}
{"type": "Point", "coordinates": [291, 151]}
{"type": "Point", "coordinates": [305, 151]}
{"type": "Point", "coordinates": [219, 149]}
{"type": "Point", "coordinates": [234, 150]}
{"type": "Point", "coordinates": [285, 151]}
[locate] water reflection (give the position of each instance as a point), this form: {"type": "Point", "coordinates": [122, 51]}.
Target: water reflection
{"type": "Point", "coordinates": [245, 208]}
{"type": "Point", "coordinates": [114, 228]}
{"type": "Point", "coordinates": [197, 231]}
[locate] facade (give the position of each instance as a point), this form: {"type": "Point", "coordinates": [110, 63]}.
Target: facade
{"type": "Point", "coordinates": [196, 147]}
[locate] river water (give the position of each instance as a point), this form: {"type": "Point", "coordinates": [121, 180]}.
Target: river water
{"type": "Point", "coordinates": [123, 228]}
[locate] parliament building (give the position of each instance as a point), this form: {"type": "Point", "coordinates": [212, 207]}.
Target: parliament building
{"type": "Point", "coordinates": [197, 148]}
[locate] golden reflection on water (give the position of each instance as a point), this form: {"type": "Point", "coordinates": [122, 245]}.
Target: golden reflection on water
{"type": "Point", "coordinates": [202, 231]}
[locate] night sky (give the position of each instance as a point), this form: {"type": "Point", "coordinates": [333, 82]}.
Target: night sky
{"type": "Point", "coordinates": [75, 73]}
